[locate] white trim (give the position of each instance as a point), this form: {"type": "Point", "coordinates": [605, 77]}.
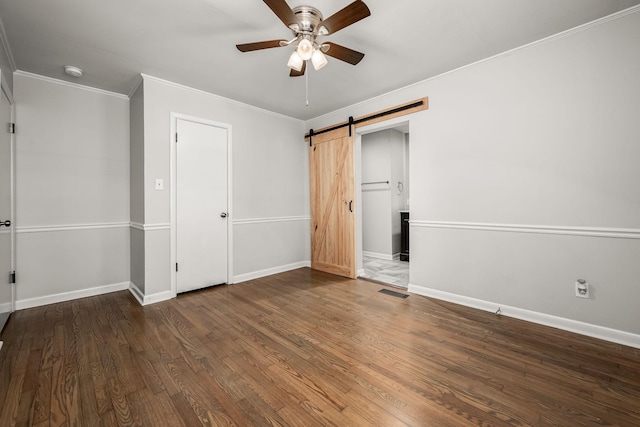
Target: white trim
{"type": "Point", "coordinates": [136, 292]}
{"type": "Point", "coordinates": [150, 227]}
{"type": "Point", "coordinates": [154, 227]}
{"type": "Point", "coordinates": [7, 91]}
{"type": "Point", "coordinates": [71, 227]}
{"type": "Point", "coordinates": [174, 117]}
{"type": "Point", "coordinates": [616, 233]}
{"type": "Point", "coordinates": [71, 295]}
{"type": "Point", "coordinates": [7, 47]}
{"type": "Point", "coordinates": [148, 299]}
{"type": "Point", "coordinates": [70, 84]}
{"type": "Point", "coordinates": [136, 85]}
{"type": "Point", "coordinates": [273, 219]}
{"type": "Point", "coordinates": [595, 331]}
{"type": "Point", "coordinates": [222, 98]}
{"type": "Point", "coordinates": [270, 271]}
{"type": "Point", "coordinates": [379, 255]}
{"type": "Point", "coordinates": [361, 272]}
{"type": "Point", "coordinates": [532, 44]}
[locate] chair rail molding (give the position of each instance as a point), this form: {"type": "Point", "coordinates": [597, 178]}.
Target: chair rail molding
{"type": "Point", "coordinates": [617, 233]}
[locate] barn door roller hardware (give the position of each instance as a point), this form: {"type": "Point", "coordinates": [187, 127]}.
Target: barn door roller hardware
{"type": "Point", "coordinates": [411, 107]}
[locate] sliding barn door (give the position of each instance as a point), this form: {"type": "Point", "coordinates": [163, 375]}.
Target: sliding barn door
{"type": "Point", "coordinates": [331, 172]}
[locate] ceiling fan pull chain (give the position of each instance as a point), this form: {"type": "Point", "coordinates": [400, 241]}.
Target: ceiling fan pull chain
{"type": "Point", "coordinates": [306, 86]}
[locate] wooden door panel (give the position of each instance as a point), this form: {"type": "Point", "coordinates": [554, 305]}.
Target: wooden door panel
{"type": "Point", "coordinates": [332, 193]}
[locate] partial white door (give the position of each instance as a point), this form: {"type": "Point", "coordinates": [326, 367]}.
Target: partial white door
{"type": "Point", "coordinates": [201, 205]}
{"type": "Point", "coordinates": [6, 208]}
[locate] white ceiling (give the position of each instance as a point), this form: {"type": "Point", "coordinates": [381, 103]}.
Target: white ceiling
{"type": "Point", "coordinates": [192, 42]}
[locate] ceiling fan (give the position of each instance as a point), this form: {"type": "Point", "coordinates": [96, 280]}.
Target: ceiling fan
{"type": "Point", "coordinates": [307, 24]}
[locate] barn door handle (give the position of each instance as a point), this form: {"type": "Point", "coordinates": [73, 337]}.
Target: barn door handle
{"type": "Point", "coordinates": [350, 205]}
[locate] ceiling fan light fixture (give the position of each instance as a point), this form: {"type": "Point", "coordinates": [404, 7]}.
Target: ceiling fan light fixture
{"type": "Point", "coordinates": [318, 59]}
{"type": "Point", "coordinates": [295, 61]}
{"type": "Point", "coordinates": [307, 24]}
{"type": "Point", "coordinates": [305, 49]}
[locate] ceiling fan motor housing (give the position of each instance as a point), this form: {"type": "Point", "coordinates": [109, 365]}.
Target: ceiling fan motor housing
{"type": "Point", "coordinates": [309, 19]}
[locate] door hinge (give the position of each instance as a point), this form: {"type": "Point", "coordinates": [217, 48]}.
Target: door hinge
{"type": "Point", "coordinates": [12, 277]}
{"type": "Point", "coordinates": [176, 137]}
{"type": "Point", "coordinates": [176, 266]}
{"type": "Point", "coordinates": [12, 128]}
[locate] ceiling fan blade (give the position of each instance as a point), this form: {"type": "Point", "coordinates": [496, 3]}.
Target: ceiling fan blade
{"type": "Point", "coordinates": [282, 11]}
{"type": "Point", "coordinates": [295, 73]}
{"type": "Point", "coordinates": [248, 47]}
{"type": "Point", "coordinates": [345, 17]}
{"type": "Point", "coordinates": [343, 53]}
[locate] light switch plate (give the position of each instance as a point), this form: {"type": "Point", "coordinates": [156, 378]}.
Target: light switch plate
{"type": "Point", "coordinates": [159, 184]}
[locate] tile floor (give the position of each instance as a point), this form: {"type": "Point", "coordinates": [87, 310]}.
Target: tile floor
{"type": "Point", "coordinates": [393, 272]}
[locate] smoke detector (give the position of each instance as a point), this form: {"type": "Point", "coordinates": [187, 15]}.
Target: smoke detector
{"type": "Point", "coordinates": [72, 71]}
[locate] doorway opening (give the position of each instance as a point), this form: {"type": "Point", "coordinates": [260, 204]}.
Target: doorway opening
{"type": "Point", "coordinates": [382, 169]}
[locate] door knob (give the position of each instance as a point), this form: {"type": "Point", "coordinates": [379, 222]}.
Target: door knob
{"type": "Point", "coordinates": [223, 215]}
{"type": "Point", "coordinates": [6, 223]}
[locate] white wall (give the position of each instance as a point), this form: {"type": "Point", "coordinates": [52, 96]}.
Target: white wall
{"type": "Point", "coordinates": [382, 160]}
{"type": "Point", "coordinates": [270, 208]}
{"type": "Point", "coordinates": [376, 201]}
{"type": "Point", "coordinates": [72, 190]}
{"type": "Point", "coordinates": [522, 169]}
{"type": "Point", "coordinates": [407, 161]}
{"type": "Point", "coordinates": [396, 161]}
{"type": "Point", "coordinates": [136, 196]}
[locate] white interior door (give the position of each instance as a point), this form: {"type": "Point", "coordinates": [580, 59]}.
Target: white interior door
{"type": "Point", "coordinates": [201, 205]}
{"type": "Point", "coordinates": [6, 209]}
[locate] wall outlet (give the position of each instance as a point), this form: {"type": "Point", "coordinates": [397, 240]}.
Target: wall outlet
{"type": "Point", "coordinates": [582, 288]}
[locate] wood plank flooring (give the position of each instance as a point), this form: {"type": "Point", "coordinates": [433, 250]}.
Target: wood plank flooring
{"type": "Point", "coordinates": [304, 348]}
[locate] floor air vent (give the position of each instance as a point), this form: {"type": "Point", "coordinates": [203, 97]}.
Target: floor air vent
{"type": "Point", "coordinates": [393, 293]}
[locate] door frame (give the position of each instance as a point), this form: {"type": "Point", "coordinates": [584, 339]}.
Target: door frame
{"type": "Point", "coordinates": [174, 200]}
{"type": "Point", "coordinates": [363, 130]}
{"type": "Point", "coordinates": [4, 86]}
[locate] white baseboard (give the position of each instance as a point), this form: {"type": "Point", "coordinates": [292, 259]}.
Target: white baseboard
{"type": "Point", "coordinates": [361, 272]}
{"type": "Point", "coordinates": [269, 271]}
{"type": "Point", "coordinates": [148, 299]}
{"type": "Point", "coordinates": [378, 255]}
{"type": "Point", "coordinates": [137, 293]}
{"type": "Point", "coordinates": [595, 331]}
{"type": "Point", "coordinates": [68, 296]}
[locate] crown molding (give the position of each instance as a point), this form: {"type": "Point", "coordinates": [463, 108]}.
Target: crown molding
{"type": "Point", "coordinates": [136, 85]}
{"type": "Point", "coordinates": [7, 47]}
{"type": "Point", "coordinates": [222, 98]}
{"type": "Point", "coordinates": [70, 84]}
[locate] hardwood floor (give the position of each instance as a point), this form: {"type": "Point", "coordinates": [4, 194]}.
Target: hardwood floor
{"type": "Point", "coordinates": [305, 348]}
